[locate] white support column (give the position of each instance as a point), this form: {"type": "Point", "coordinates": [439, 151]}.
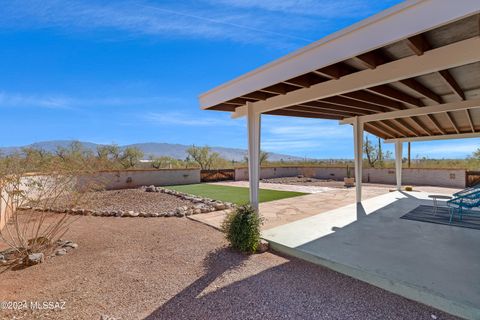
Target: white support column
{"type": "Point", "coordinates": [398, 163]}
{"type": "Point", "coordinates": [358, 157]}
{"type": "Point", "coordinates": [254, 121]}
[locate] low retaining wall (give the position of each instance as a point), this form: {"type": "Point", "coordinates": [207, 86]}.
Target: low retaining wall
{"type": "Point", "coordinates": [453, 178]}
{"type": "Point", "coordinates": [136, 178]}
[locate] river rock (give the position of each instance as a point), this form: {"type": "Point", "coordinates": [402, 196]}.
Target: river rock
{"type": "Point", "coordinates": [35, 258]}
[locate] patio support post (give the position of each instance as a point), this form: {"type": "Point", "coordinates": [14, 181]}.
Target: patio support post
{"type": "Point", "coordinates": [254, 120]}
{"type": "Point", "coordinates": [398, 164]}
{"type": "Point", "coordinates": [358, 157]}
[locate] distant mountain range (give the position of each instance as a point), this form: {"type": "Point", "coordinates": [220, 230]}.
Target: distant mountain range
{"type": "Point", "coordinates": [151, 149]}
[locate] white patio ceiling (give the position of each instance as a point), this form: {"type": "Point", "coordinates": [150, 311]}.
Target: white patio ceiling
{"type": "Point", "coordinates": [409, 73]}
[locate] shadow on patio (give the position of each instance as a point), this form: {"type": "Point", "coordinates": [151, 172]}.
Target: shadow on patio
{"type": "Point", "coordinates": [432, 263]}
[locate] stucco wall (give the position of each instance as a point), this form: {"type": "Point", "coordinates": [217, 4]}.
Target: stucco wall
{"type": "Point", "coordinates": [136, 178]}
{"type": "Point", "coordinates": [454, 178]}
{"type": "Point", "coordinates": [4, 214]}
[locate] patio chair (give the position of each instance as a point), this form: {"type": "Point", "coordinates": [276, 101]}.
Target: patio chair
{"type": "Point", "coordinates": [470, 200]}
{"type": "Point", "coordinates": [473, 189]}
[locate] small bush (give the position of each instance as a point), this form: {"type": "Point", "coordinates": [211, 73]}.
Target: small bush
{"type": "Point", "coordinates": [242, 228]}
{"type": "Point", "coordinates": [408, 188]}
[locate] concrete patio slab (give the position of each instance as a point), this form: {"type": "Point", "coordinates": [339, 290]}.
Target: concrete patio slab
{"type": "Point", "coordinates": [434, 264]}
{"type": "Point", "coordinates": [280, 212]}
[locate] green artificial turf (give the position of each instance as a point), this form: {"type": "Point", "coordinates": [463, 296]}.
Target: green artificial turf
{"type": "Point", "coordinates": [237, 195]}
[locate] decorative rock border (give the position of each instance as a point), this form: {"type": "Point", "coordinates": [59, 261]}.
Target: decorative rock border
{"type": "Point", "coordinates": [62, 247]}
{"type": "Point", "coordinates": [200, 205]}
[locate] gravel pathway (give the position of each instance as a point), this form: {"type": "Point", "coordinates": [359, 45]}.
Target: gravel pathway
{"type": "Point", "coordinates": [131, 199]}
{"type": "Point", "coordinates": [180, 269]}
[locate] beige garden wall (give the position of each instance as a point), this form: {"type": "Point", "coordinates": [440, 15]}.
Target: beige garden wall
{"type": "Point", "coordinates": [116, 180]}
{"type": "Point", "coordinates": [454, 178]}
{"type": "Point", "coordinates": [136, 178]}
{"type": "Point", "coordinates": [4, 210]}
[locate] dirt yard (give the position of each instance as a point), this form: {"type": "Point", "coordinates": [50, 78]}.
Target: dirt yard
{"type": "Point", "coordinates": [174, 268]}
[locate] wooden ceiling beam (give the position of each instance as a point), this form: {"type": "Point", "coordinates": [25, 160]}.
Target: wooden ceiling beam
{"type": "Point", "coordinates": [402, 123]}
{"type": "Point", "coordinates": [379, 132]}
{"type": "Point", "coordinates": [333, 107]}
{"type": "Point", "coordinates": [421, 89]}
{"type": "Point", "coordinates": [450, 119]}
{"type": "Point", "coordinates": [279, 88]}
{"type": "Point", "coordinates": [335, 71]}
{"type": "Point", "coordinates": [436, 124]}
{"type": "Point", "coordinates": [372, 59]}
{"type": "Point", "coordinates": [320, 111]}
{"type": "Point", "coordinates": [283, 112]}
{"type": "Point", "coordinates": [421, 125]}
{"type": "Point", "coordinates": [392, 93]}
{"type": "Point", "coordinates": [470, 122]}
{"type": "Point", "coordinates": [237, 101]}
{"type": "Point", "coordinates": [305, 81]}
{"type": "Point", "coordinates": [452, 84]}
{"type": "Point", "coordinates": [365, 96]}
{"type": "Point", "coordinates": [257, 96]}
{"type": "Point", "coordinates": [394, 128]}
{"type": "Point", "coordinates": [224, 107]}
{"type": "Point", "coordinates": [382, 126]}
{"type": "Point", "coordinates": [347, 102]}
{"type": "Point", "coordinates": [418, 44]}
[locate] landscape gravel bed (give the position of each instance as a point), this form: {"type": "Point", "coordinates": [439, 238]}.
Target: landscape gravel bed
{"type": "Point", "coordinates": [132, 199]}
{"type": "Point", "coordinates": [147, 201]}
{"type": "Point", "coordinates": [180, 269]}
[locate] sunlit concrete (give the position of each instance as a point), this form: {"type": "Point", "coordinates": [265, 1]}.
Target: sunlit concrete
{"type": "Point", "coordinates": [322, 199]}
{"type": "Point", "coordinates": [435, 264]}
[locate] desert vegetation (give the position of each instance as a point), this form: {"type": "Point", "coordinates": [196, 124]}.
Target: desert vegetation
{"type": "Point", "coordinates": [35, 181]}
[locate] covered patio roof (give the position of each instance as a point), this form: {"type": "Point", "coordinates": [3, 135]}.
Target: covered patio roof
{"type": "Point", "coordinates": [409, 73]}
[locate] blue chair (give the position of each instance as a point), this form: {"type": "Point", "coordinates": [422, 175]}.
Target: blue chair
{"type": "Point", "coordinates": [473, 189]}
{"type": "Point", "coordinates": [468, 200]}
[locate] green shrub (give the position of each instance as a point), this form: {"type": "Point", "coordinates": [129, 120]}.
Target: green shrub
{"type": "Point", "coordinates": [242, 228]}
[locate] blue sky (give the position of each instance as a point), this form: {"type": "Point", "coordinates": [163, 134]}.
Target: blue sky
{"type": "Point", "coordinates": [131, 71]}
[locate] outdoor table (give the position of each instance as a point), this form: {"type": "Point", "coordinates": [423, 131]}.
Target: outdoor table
{"type": "Point", "coordinates": [437, 197]}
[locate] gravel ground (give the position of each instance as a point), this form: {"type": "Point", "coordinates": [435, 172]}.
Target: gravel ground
{"type": "Point", "coordinates": [180, 269]}
{"type": "Point", "coordinates": [130, 199]}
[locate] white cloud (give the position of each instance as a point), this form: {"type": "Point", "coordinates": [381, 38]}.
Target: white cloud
{"type": "Point", "coordinates": [445, 149]}
{"type": "Point", "coordinates": [326, 9]}
{"type": "Point", "coordinates": [187, 119]}
{"type": "Point", "coordinates": [304, 136]}
{"type": "Point", "coordinates": [283, 24]}
{"type": "Point", "coordinates": [58, 101]}
{"type": "Point", "coordinates": [168, 19]}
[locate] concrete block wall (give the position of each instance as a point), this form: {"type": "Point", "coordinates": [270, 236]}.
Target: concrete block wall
{"type": "Point", "coordinates": [4, 210]}
{"type": "Point", "coordinates": [124, 179]}
{"type": "Point", "coordinates": [453, 178]}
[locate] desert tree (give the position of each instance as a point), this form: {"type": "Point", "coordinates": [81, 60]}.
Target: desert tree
{"type": "Point", "coordinates": [263, 157]}
{"type": "Point", "coordinates": [130, 157]}
{"type": "Point", "coordinates": [27, 231]}
{"type": "Point", "coordinates": [374, 153]}
{"type": "Point", "coordinates": [164, 162]}
{"type": "Point", "coordinates": [204, 156]}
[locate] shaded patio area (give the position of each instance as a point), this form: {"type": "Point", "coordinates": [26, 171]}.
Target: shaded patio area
{"type": "Point", "coordinates": [431, 263]}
